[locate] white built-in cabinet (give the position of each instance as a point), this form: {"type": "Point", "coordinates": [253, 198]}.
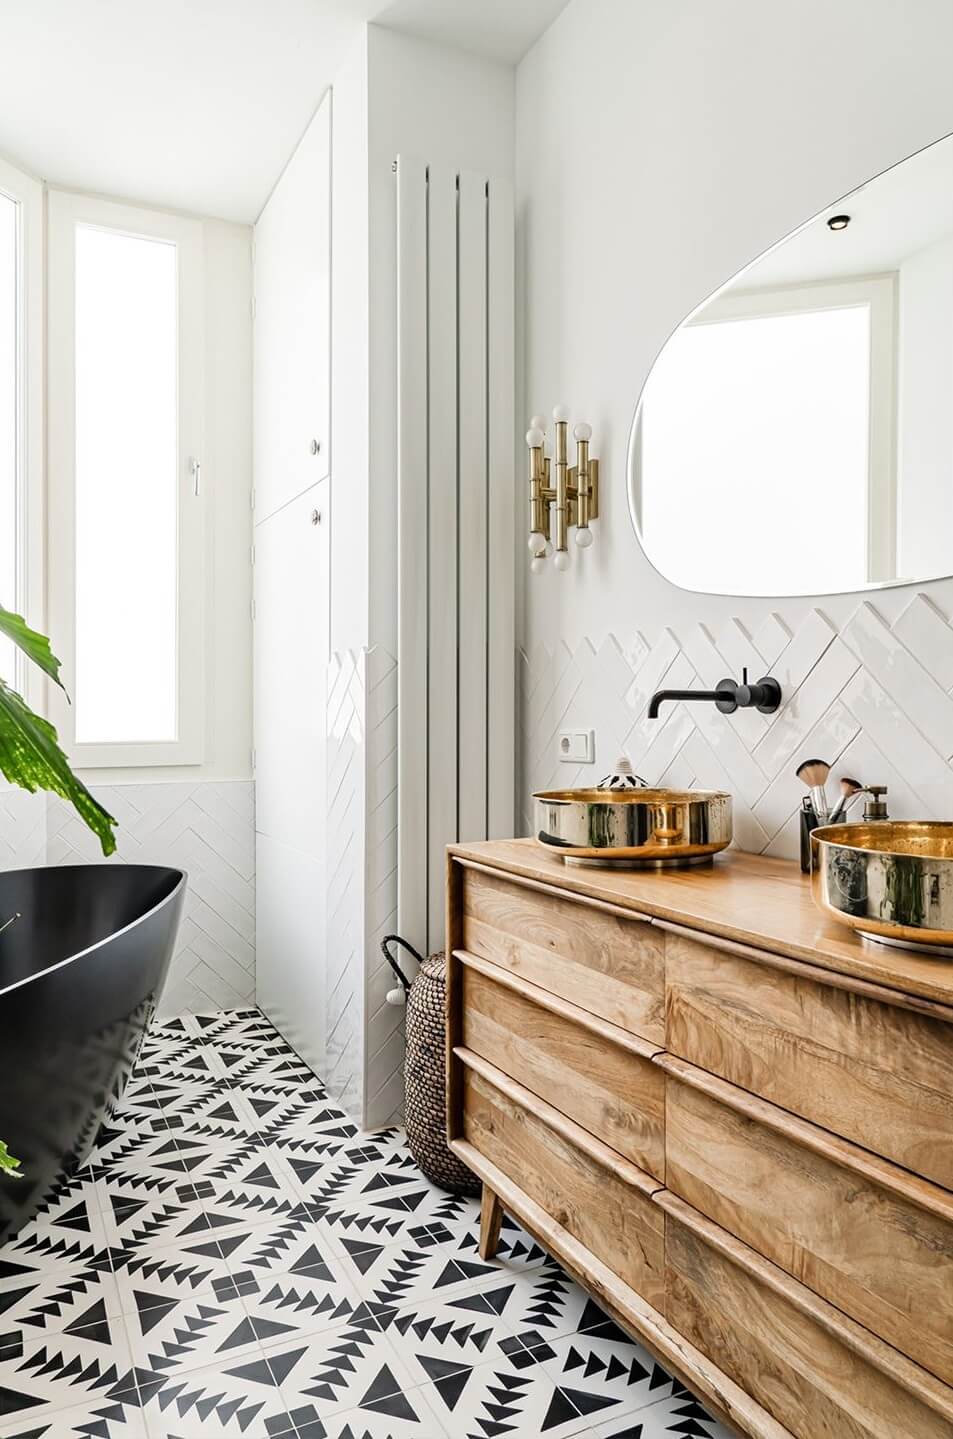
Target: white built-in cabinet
{"type": "Point", "coordinates": [291, 589]}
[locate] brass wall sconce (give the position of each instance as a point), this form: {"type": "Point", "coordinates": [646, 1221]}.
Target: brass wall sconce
{"type": "Point", "coordinates": [574, 499]}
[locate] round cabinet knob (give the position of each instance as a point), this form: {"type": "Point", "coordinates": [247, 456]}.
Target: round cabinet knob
{"type": "Point", "coordinates": [560, 413]}
{"type": "Point", "coordinates": [315, 447]}
{"type": "Point", "coordinates": [315, 517]}
{"type": "Point", "coordinates": [535, 437]}
{"type": "Point", "coordinates": [562, 560]}
{"type": "Point", "coordinates": [582, 431]}
{"type": "Point", "coordinates": [583, 537]}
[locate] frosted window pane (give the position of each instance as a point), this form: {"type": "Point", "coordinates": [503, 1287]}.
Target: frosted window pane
{"type": "Point", "coordinates": [126, 488]}
{"type": "Point", "coordinates": [755, 438]}
{"type": "Point", "coordinates": [8, 423]}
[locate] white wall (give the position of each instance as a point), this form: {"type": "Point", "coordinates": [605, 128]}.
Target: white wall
{"type": "Point", "coordinates": [698, 135]}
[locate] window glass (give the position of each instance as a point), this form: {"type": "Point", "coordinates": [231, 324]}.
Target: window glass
{"type": "Point", "coordinates": [9, 408]}
{"type": "Point", "coordinates": [126, 488]}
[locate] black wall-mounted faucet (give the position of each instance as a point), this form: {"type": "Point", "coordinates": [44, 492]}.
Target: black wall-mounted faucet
{"type": "Point", "coordinates": [728, 696]}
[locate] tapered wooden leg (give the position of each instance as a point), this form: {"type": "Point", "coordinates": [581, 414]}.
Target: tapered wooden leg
{"type": "Point", "coordinates": [491, 1219]}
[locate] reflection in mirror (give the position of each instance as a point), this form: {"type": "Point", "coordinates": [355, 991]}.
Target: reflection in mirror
{"type": "Point", "coordinates": [795, 435]}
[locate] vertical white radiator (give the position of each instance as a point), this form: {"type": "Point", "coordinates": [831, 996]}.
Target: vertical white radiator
{"type": "Point", "coordinates": [457, 495]}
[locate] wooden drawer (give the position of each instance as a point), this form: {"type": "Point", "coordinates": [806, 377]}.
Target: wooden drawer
{"type": "Point", "coordinates": [592, 954]}
{"type": "Point", "coordinates": [598, 1074]}
{"type": "Point", "coordinates": [599, 1198]}
{"type": "Point", "coordinates": [872, 1071]}
{"type": "Point", "coordinates": [817, 1372]}
{"type": "Point", "coordinates": [873, 1239]}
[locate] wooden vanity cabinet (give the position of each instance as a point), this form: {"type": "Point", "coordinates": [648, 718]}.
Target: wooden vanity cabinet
{"type": "Point", "coordinates": [731, 1121]}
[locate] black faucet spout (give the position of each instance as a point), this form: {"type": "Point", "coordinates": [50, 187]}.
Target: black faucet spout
{"type": "Point", "coordinates": [728, 695]}
{"type": "Point", "coordinates": [660, 697]}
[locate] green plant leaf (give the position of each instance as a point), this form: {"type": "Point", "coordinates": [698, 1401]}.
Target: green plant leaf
{"type": "Point", "coordinates": [35, 646]}
{"type": "Point", "coordinates": [30, 757]}
{"type": "Point", "coordinates": [8, 1163]}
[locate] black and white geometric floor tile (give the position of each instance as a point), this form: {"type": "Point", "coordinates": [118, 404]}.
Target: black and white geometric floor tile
{"type": "Point", "coordinates": [238, 1260]}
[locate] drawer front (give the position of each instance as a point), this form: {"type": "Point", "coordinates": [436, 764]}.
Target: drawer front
{"type": "Point", "coordinates": [607, 964]}
{"type": "Point", "coordinates": [607, 1087]}
{"type": "Point", "coordinates": [813, 1206]}
{"type": "Point", "coordinates": [879, 1075]}
{"type": "Point", "coordinates": [815, 1372]}
{"type": "Point", "coordinates": [615, 1220]}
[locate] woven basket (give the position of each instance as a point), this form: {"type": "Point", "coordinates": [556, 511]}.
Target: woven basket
{"type": "Point", "coordinates": [425, 1099]}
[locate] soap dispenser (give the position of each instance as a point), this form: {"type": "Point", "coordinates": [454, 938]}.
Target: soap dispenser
{"type": "Point", "coordinates": [875, 807]}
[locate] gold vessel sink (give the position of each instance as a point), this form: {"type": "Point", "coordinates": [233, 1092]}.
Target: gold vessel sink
{"type": "Point", "coordinates": [891, 880]}
{"type": "Point", "coordinates": [634, 828]}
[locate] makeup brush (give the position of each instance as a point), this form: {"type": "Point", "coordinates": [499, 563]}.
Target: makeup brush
{"type": "Point", "coordinates": [813, 773]}
{"type": "Point", "coordinates": [849, 790]}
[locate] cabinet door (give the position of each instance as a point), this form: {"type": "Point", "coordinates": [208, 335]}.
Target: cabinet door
{"type": "Point", "coordinates": [291, 660]}
{"type": "Point", "coordinates": [292, 325]}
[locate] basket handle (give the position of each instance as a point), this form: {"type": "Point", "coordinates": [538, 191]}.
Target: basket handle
{"type": "Point", "coordinates": [391, 960]}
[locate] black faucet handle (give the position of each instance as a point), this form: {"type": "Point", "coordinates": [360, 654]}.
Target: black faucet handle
{"type": "Point", "coordinates": [764, 696]}
{"type": "Point", "coordinates": [726, 696]}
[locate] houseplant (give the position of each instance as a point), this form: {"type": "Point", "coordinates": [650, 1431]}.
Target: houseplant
{"type": "Point", "coordinates": [30, 755]}
{"type": "Point", "coordinates": [31, 758]}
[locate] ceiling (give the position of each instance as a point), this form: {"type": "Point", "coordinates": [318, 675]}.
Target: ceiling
{"type": "Point", "coordinates": [197, 104]}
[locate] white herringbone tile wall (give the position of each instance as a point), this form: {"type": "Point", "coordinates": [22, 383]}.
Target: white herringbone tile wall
{"type": "Point", "coordinates": [873, 698]}
{"type": "Point", "coordinates": [206, 828]}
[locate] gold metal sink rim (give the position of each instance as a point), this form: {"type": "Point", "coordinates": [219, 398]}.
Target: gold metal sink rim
{"type": "Point", "coordinates": [889, 880]}
{"type": "Point", "coordinates": [634, 827]}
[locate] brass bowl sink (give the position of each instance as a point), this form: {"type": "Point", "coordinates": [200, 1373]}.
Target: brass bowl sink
{"type": "Point", "coordinates": [891, 880]}
{"type": "Point", "coordinates": [634, 828]}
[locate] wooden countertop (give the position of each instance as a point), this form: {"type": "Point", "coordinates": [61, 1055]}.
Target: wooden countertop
{"type": "Point", "coordinates": [748, 898]}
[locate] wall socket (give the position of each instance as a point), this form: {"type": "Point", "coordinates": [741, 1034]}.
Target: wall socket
{"type": "Point", "coordinates": [576, 746]}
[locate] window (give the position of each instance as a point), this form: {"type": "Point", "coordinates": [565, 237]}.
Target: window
{"type": "Point", "coordinates": [9, 409]}
{"type": "Point", "coordinates": [21, 413]}
{"type": "Point", "coordinates": [127, 535]}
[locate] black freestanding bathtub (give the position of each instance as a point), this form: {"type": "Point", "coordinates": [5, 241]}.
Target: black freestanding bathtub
{"type": "Point", "coordinates": [81, 971]}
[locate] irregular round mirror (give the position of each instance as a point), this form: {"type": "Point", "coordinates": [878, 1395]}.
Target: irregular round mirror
{"type": "Point", "coordinates": [795, 435]}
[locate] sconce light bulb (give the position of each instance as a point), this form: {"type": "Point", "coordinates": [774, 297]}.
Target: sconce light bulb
{"type": "Point", "coordinates": [536, 542]}
{"type": "Point", "coordinates": [538, 422]}
{"type": "Point", "coordinates": [537, 564]}
{"type": "Point", "coordinates": [582, 431]}
{"type": "Point", "coordinates": [535, 438]}
{"type": "Point", "coordinates": [562, 560]}
{"type": "Point", "coordinates": [548, 550]}
{"type": "Point", "coordinates": [583, 537]}
{"type": "Point", "coordinates": [560, 412]}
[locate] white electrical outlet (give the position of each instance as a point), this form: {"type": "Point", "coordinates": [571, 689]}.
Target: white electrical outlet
{"type": "Point", "coordinates": [576, 746]}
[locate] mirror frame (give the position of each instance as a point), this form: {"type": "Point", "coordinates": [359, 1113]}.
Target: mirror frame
{"type": "Point", "coordinates": [634, 443]}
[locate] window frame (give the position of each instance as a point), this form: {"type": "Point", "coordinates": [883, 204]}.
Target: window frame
{"type": "Point", "coordinates": [29, 498]}
{"type": "Point", "coordinates": [66, 211]}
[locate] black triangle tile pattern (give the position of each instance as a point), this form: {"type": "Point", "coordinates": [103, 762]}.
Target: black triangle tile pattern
{"type": "Point", "coordinates": [237, 1258]}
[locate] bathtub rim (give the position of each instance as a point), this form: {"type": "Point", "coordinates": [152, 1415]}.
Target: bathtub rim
{"type": "Point", "coordinates": [114, 934]}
